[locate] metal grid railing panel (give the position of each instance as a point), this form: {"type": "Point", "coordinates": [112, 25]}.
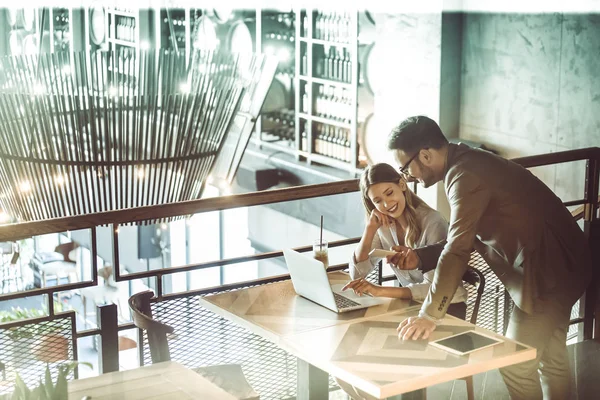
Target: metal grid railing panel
{"type": "Point", "coordinates": [496, 305]}
{"type": "Point", "coordinates": [27, 349]}
{"type": "Point", "coordinates": [202, 338]}
{"type": "Point", "coordinates": [574, 328]}
{"type": "Point", "coordinates": [373, 276]}
{"type": "Point", "coordinates": [492, 306]}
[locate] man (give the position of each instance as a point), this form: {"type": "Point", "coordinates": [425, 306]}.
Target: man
{"type": "Point", "coordinates": [524, 233]}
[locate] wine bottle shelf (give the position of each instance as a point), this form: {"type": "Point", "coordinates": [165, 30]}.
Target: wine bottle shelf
{"type": "Point", "coordinates": [123, 42]}
{"type": "Point", "coordinates": [122, 13]}
{"type": "Point", "coordinates": [316, 79]}
{"type": "Point", "coordinates": [326, 42]}
{"type": "Point", "coordinates": [322, 81]}
{"type": "Point", "coordinates": [324, 120]}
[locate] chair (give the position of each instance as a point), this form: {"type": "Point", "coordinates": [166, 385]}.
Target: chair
{"type": "Point", "coordinates": [228, 377]}
{"type": "Point", "coordinates": [475, 283]}
{"type": "Point", "coordinates": [10, 274]}
{"type": "Point", "coordinates": [473, 277]}
{"type": "Point", "coordinates": [54, 265]}
{"type": "Point", "coordinates": [107, 292]}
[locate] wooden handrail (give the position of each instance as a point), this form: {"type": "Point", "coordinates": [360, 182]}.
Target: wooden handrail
{"type": "Point", "coordinates": [149, 213]}
{"type": "Point", "coordinates": [540, 160]}
{"type": "Point", "coordinates": [579, 211]}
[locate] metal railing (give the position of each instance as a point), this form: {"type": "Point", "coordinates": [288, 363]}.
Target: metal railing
{"type": "Point", "coordinates": [108, 325]}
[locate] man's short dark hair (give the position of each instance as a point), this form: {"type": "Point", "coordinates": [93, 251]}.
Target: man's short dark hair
{"type": "Point", "coordinates": [416, 133]}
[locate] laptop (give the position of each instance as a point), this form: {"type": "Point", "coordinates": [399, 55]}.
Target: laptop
{"type": "Point", "coordinates": [310, 281]}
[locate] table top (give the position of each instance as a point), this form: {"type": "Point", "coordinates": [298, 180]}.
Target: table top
{"type": "Point", "coordinates": [369, 355]}
{"type": "Point", "coordinates": [275, 311]}
{"type": "Point", "coordinates": [360, 347]}
{"type": "Point", "coordinates": [166, 380]}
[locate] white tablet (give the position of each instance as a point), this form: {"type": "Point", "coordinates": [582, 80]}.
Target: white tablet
{"type": "Point", "coordinates": [381, 253]}
{"type": "Point", "coordinates": [465, 342]}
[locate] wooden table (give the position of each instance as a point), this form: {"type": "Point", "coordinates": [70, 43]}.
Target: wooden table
{"type": "Point", "coordinates": [360, 347]}
{"type": "Point", "coordinates": [167, 380]}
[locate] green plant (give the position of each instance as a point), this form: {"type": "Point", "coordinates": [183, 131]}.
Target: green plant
{"type": "Point", "coordinates": [18, 314]}
{"type": "Point", "coordinates": [47, 390]}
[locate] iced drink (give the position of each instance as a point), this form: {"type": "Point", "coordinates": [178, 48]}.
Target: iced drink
{"type": "Point", "coordinates": [320, 251]}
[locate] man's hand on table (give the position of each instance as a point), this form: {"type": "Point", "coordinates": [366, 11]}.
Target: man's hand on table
{"type": "Point", "coordinates": [415, 328]}
{"type": "Point", "coordinates": [405, 258]}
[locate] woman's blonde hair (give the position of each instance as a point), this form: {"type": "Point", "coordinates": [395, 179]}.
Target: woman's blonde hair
{"type": "Point", "coordinates": [380, 173]}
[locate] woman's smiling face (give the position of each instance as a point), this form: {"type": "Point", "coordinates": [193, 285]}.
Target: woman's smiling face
{"type": "Point", "coordinates": [388, 198]}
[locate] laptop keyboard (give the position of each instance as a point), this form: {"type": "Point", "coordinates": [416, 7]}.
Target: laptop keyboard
{"type": "Point", "coordinates": [343, 302]}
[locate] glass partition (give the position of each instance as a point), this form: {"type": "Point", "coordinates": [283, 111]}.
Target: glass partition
{"type": "Point", "coordinates": [45, 261]}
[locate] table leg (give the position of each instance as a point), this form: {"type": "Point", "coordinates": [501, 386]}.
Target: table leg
{"type": "Point", "coordinates": [313, 383]}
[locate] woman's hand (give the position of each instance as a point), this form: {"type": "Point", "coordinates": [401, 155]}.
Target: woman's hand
{"type": "Point", "coordinates": [377, 219]}
{"type": "Point", "coordinates": [362, 286]}
{"type": "Point", "coordinates": [405, 258]}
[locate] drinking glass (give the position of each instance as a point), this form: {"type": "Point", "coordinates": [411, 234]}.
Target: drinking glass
{"type": "Point", "coordinates": [320, 251]}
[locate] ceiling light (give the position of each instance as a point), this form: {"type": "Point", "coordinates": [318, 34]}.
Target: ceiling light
{"type": "Point", "coordinates": [59, 179]}
{"type": "Point", "coordinates": [25, 187]}
{"type": "Point", "coordinates": [184, 87]}
{"type": "Point", "coordinates": [283, 55]}
{"type": "Point", "coordinates": [100, 152]}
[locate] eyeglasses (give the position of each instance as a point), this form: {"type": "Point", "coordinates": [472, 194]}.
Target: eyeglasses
{"type": "Point", "coordinates": [404, 170]}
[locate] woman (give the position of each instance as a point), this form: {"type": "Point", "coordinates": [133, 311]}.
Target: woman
{"type": "Point", "coordinates": [396, 216]}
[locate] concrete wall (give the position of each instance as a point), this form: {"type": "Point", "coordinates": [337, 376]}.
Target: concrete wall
{"type": "Point", "coordinates": [450, 73]}
{"type": "Point", "coordinates": [408, 50]}
{"type": "Point", "coordinates": [522, 84]}
{"type": "Point", "coordinates": [530, 85]}
{"type": "Point", "coordinates": [408, 47]}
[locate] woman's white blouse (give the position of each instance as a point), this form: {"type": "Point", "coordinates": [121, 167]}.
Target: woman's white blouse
{"type": "Point", "coordinates": [434, 229]}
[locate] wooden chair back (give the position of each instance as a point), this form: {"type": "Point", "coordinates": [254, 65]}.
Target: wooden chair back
{"type": "Point", "coordinates": [157, 332]}
{"type": "Point", "coordinates": [65, 249]}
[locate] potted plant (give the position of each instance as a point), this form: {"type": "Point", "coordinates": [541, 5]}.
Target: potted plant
{"type": "Point", "coordinates": [46, 390]}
